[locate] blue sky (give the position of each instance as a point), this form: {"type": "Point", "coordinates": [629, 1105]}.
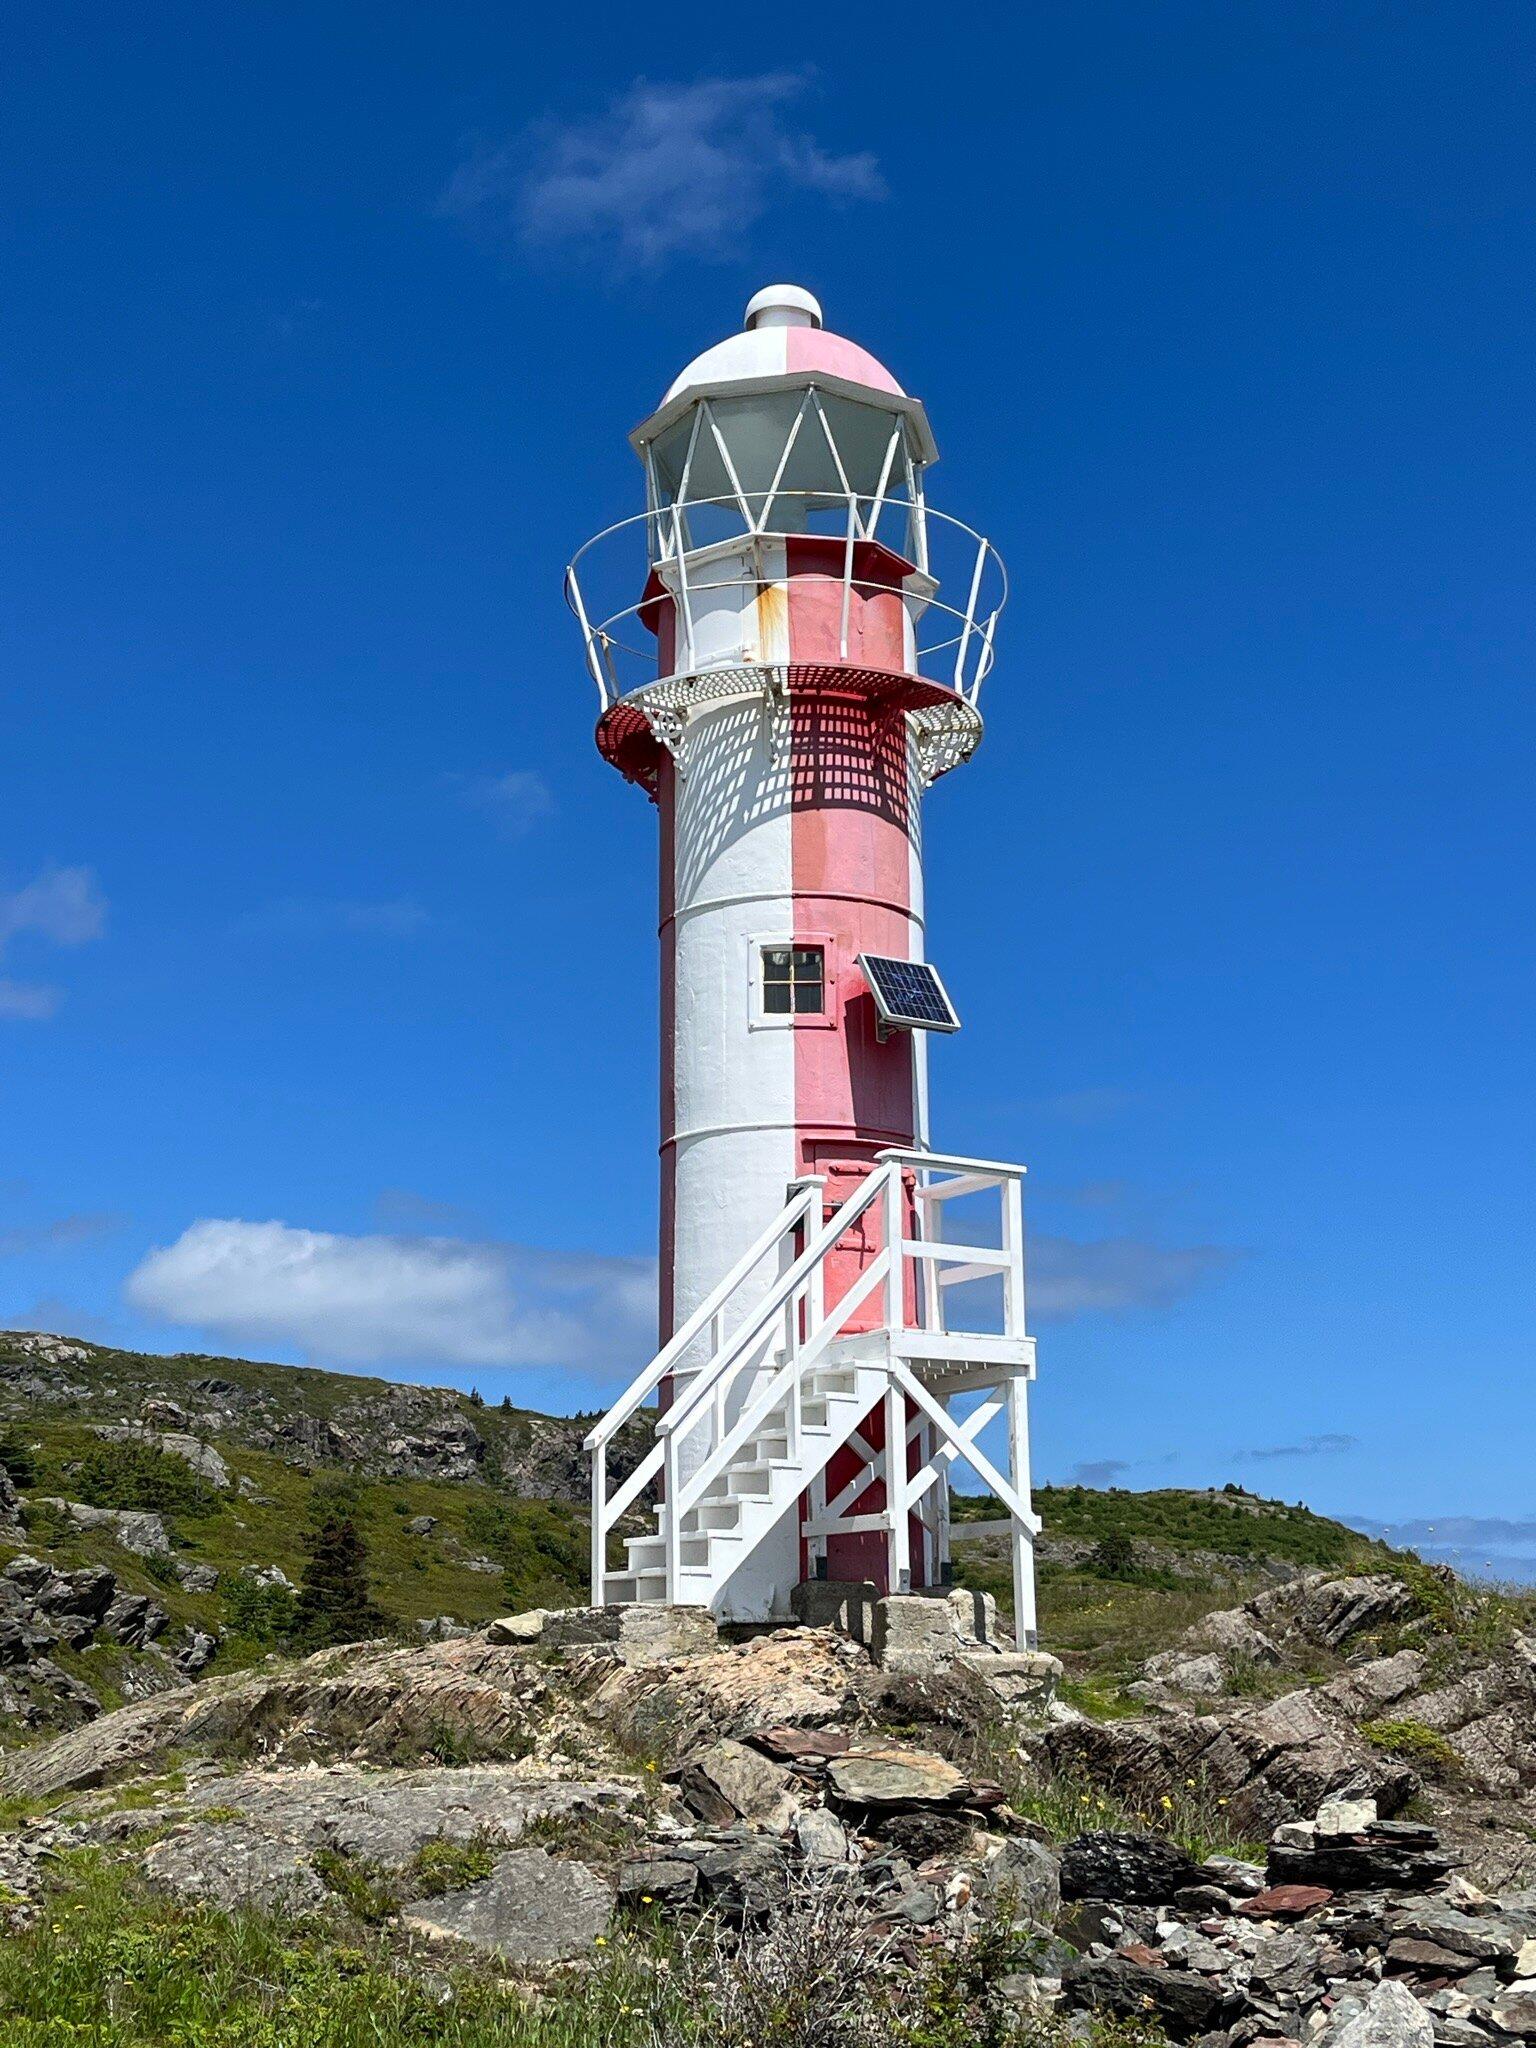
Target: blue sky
{"type": "Point", "coordinates": [323, 328]}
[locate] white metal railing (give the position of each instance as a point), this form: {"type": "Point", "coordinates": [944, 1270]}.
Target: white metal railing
{"type": "Point", "coordinates": [710, 1315]}
{"type": "Point", "coordinates": [704, 575]}
{"type": "Point", "coordinates": [790, 1327]}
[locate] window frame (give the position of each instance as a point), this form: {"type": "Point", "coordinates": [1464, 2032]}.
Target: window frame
{"type": "Point", "coordinates": [759, 1017]}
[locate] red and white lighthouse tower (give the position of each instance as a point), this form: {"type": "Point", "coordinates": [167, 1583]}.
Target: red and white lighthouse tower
{"type": "Point", "coordinates": [789, 644]}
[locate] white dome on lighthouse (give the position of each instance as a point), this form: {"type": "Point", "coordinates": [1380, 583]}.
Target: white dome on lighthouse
{"type": "Point", "coordinates": [783, 336]}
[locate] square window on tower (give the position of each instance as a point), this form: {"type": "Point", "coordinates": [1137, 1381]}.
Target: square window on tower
{"type": "Point", "coordinates": [794, 981]}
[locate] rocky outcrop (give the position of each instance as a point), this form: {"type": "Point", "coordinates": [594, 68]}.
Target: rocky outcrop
{"type": "Point", "coordinates": [202, 1458]}
{"type": "Point", "coordinates": [42, 1609]}
{"type": "Point", "coordinates": [309, 1418]}
{"type": "Point", "coordinates": [1269, 1763]}
{"type": "Point", "coordinates": [138, 1530]}
{"type": "Point", "coordinates": [379, 1701]}
{"type": "Point", "coordinates": [12, 1528]}
{"type": "Point", "coordinates": [530, 1909]}
{"type": "Point", "coordinates": [801, 1676]}
{"type": "Point", "coordinates": [781, 1790]}
{"type": "Point", "coordinates": [1368, 1730]}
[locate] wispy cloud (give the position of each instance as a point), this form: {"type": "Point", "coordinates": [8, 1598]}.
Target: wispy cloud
{"type": "Point", "coordinates": [322, 917]}
{"type": "Point", "coordinates": [423, 1301]}
{"type": "Point", "coordinates": [63, 907]}
{"type": "Point", "coordinates": [1115, 1275]}
{"type": "Point", "coordinates": [33, 1002]}
{"type": "Point", "coordinates": [1099, 1472]}
{"type": "Point", "coordinates": [667, 169]}
{"type": "Point", "coordinates": [1325, 1446]}
{"type": "Point", "coordinates": [60, 1235]}
{"type": "Point", "coordinates": [517, 800]}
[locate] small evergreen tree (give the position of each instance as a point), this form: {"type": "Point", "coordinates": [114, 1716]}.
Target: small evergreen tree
{"type": "Point", "coordinates": [1114, 1556]}
{"type": "Point", "coordinates": [335, 1605]}
{"type": "Point", "coordinates": [16, 1458]}
{"type": "Point", "coordinates": [476, 1398]}
{"type": "Point", "coordinates": [506, 1404]}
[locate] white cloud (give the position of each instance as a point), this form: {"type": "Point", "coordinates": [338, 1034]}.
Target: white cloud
{"type": "Point", "coordinates": [63, 906]}
{"type": "Point", "coordinates": [34, 1001]}
{"type": "Point", "coordinates": [518, 800]}
{"type": "Point", "coordinates": [667, 169]}
{"type": "Point", "coordinates": [1112, 1275]}
{"type": "Point", "coordinates": [400, 1300]}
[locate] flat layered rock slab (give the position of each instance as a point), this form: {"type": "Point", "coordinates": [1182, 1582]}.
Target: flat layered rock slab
{"type": "Point", "coordinates": [388, 1816]}
{"type": "Point", "coordinates": [231, 1865]}
{"type": "Point", "coordinates": [379, 1698]}
{"type": "Point", "coordinates": [533, 1908]}
{"type": "Point", "coordinates": [895, 1777]}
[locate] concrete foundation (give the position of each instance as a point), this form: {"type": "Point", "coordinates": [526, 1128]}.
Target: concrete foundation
{"type": "Point", "coordinates": [843, 1604]}
{"type": "Point", "coordinates": [647, 1633]}
{"type": "Point", "coordinates": [921, 1633]}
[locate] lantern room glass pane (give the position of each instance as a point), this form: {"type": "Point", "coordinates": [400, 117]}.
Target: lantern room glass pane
{"type": "Point", "coordinates": [863, 434]}
{"type": "Point", "coordinates": [754, 430]}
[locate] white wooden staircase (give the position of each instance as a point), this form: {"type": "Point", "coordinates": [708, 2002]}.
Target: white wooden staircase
{"type": "Point", "coordinates": [759, 1409]}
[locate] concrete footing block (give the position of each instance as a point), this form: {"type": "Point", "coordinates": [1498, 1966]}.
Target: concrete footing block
{"type": "Point", "coordinates": [646, 1632]}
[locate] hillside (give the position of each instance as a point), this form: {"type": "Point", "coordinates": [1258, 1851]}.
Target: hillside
{"type": "Point", "coordinates": [208, 1835]}
{"type": "Point", "coordinates": [222, 1467]}
{"type": "Point", "coordinates": [195, 1481]}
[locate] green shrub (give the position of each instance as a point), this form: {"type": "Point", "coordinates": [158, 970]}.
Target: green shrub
{"type": "Point", "coordinates": [1425, 1748]}
{"type": "Point", "coordinates": [262, 1614]}
{"type": "Point", "coordinates": [130, 1473]}
{"type": "Point", "coordinates": [449, 1866]}
{"type": "Point", "coordinates": [541, 1549]}
{"type": "Point", "coordinates": [1114, 1556]}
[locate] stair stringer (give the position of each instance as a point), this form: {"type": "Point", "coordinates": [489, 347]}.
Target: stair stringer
{"type": "Point", "coordinates": [738, 1558]}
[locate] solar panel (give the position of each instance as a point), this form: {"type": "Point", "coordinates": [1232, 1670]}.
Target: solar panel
{"type": "Point", "coordinates": [908, 994]}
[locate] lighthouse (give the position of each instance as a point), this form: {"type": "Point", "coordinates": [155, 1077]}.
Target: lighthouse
{"type": "Point", "coordinates": [789, 644]}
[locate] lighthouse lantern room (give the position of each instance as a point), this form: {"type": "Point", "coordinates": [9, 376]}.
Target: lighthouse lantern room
{"type": "Point", "coordinates": [788, 646]}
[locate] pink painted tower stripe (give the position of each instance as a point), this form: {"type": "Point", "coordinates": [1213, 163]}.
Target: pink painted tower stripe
{"type": "Point", "coordinates": [812, 348]}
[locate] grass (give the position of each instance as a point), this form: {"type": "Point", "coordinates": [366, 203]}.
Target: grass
{"type": "Point", "coordinates": [109, 1965]}
{"type": "Point", "coordinates": [439, 1867]}
{"type": "Point", "coordinates": [1102, 1629]}
{"type": "Point", "coordinates": [363, 1888]}
{"type": "Point", "coordinates": [602, 1835]}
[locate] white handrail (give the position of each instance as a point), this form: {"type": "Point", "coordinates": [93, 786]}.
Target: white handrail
{"type": "Point", "coordinates": [946, 1162]}
{"type": "Point", "coordinates": [798, 1298]}
{"type": "Point", "coordinates": [793, 1366]}
{"type": "Point", "coordinates": [772, 1304]}
{"type": "Point", "coordinates": [645, 1385]}
{"type": "Point", "coordinates": [969, 638]}
{"type": "Point", "coordinates": [606, 1511]}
